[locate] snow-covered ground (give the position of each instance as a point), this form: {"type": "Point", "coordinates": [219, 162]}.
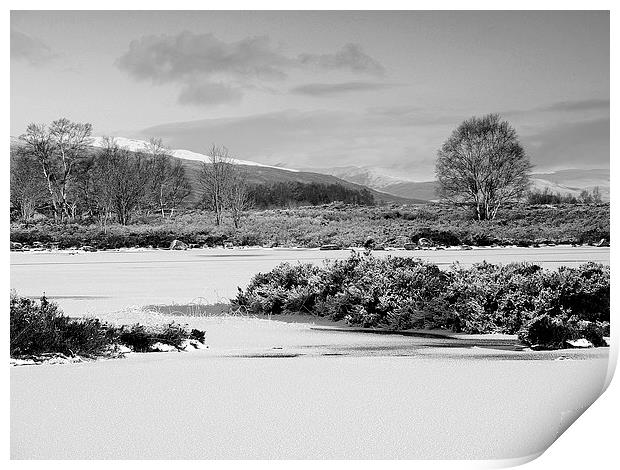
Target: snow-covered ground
{"type": "Point", "coordinates": [283, 389]}
{"type": "Point", "coordinates": [269, 389]}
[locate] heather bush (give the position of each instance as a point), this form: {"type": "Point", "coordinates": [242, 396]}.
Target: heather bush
{"type": "Point", "coordinates": [141, 338]}
{"type": "Point", "coordinates": [41, 328]}
{"type": "Point", "coordinates": [402, 293]}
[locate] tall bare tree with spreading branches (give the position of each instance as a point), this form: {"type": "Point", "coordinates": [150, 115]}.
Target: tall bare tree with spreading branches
{"type": "Point", "coordinates": [483, 164]}
{"type": "Point", "coordinates": [58, 148]}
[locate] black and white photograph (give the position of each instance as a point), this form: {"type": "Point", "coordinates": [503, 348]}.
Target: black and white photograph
{"type": "Point", "coordinates": [307, 234]}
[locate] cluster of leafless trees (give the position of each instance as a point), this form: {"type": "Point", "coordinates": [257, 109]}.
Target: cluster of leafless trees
{"type": "Point", "coordinates": [55, 168]}
{"type": "Point", "coordinates": [549, 197]}
{"type": "Point", "coordinates": [224, 186]}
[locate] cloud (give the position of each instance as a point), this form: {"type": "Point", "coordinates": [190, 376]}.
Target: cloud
{"type": "Point", "coordinates": [351, 57]}
{"type": "Point", "coordinates": [209, 93]}
{"type": "Point", "coordinates": [582, 144]}
{"type": "Point", "coordinates": [202, 64]}
{"type": "Point", "coordinates": [29, 49]}
{"type": "Point", "coordinates": [563, 107]}
{"type": "Point", "coordinates": [165, 58]}
{"type": "Point", "coordinates": [329, 89]}
{"type": "Point", "coordinates": [581, 105]}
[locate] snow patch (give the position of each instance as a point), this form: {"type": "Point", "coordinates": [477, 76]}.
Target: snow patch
{"type": "Point", "coordinates": [136, 145]}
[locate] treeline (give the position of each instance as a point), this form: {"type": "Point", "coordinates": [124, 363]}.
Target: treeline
{"type": "Point", "coordinates": [287, 194]}
{"type": "Point", "coordinates": [549, 197]}
{"type": "Point", "coordinates": [56, 172]}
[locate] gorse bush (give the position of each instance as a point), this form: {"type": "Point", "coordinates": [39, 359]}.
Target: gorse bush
{"type": "Point", "coordinates": [403, 293]}
{"type": "Point", "coordinates": [41, 328]}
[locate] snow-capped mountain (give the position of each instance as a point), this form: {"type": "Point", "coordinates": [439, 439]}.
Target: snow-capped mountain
{"type": "Point", "coordinates": [137, 145]}
{"type": "Point", "coordinates": [571, 181]}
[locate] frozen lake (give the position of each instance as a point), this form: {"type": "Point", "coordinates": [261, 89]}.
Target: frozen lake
{"type": "Point", "coordinates": [270, 389]}
{"type": "Point", "coordinates": [440, 403]}
{"type": "Point", "coordinates": [106, 281]}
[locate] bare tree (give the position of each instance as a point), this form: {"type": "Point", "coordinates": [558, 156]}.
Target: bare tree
{"type": "Point", "coordinates": [38, 144]}
{"type": "Point", "coordinates": [123, 178]}
{"type": "Point", "coordinates": [28, 186]}
{"type": "Point", "coordinates": [238, 195]}
{"type": "Point", "coordinates": [57, 149]}
{"type": "Point", "coordinates": [168, 185]}
{"type": "Point", "coordinates": [483, 164]}
{"type": "Point", "coordinates": [94, 183]}
{"type": "Point", "coordinates": [593, 197]}
{"type": "Point", "coordinates": [215, 180]}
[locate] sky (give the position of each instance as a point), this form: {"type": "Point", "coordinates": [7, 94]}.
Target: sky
{"type": "Point", "coordinates": [320, 89]}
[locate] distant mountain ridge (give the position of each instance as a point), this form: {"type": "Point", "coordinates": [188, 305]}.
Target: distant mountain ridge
{"type": "Point", "coordinates": [569, 181]}
{"type": "Point", "coordinates": [257, 173]}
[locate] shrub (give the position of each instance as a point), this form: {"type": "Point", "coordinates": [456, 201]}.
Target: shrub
{"type": "Point", "coordinates": [40, 327]}
{"type": "Point", "coordinates": [141, 338]}
{"type": "Point", "coordinates": [197, 335]}
{"type": "Point", "coordinates": [402, 293]}
{"type": "Point", "coordinates": [136, 338]}
{"type": "Point", "coordinates": [546, 332]}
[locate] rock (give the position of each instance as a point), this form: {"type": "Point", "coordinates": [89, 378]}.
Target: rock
{"type": "Point", "coordinates": [425, 243]}
{"type": "Point", "coordinates": [229, 245]}
{"type": "Point", "coordinates": [411, 246]}
{"type": "Point", "coordinates": [178, 245]}
{"type": "Point", "coordinates": [162, 347]}
{"type": "Point", "coordinates": [329, 247]}
{"type": "Point", "coordinates": [603, 242]}
{"type": "Point", "coordinates": [37, 245]}
{"type": "Point", "coordinates": [15, 246]}
{"type": "Point", "coordinates": [89, 248]}
{"type": "Point", "coordinates": [579, 343]}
